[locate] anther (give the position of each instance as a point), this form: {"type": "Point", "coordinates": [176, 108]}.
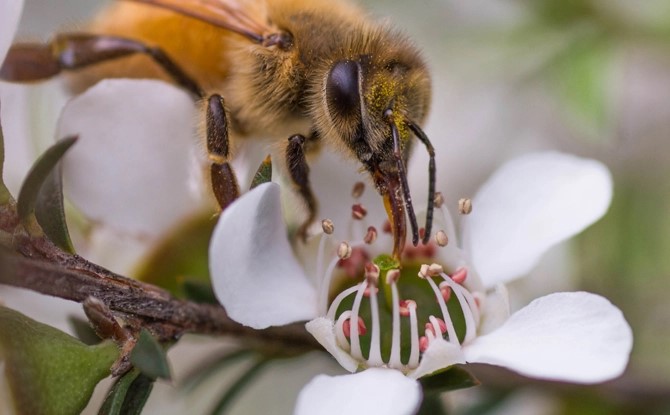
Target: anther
{"type": "Point", "coordinates": [371, 235]}
{"type": "Point", "coordinates": [386, 228]}
{"type": "Point", "coordinates": [346, 327]}
{"type": "Point", "coordinates": [435, 269]}
{"type": "Point", "coordinates": [328, 226]}
{"type": "Point", "coordinates": [422, 233]}
{"type": "Point", "coordinates": [460, 275]}
{"type": "Point", "coordinates": [358, 211]}
{"type": "Point", "coordinates": [344, 250]}
{"type": "Point", "coordinates": [392, 276]}
{"type": "Point", "coordinates": [357, 191]}
{"type": "Point", "coordinates": [465, 206]}
{"type": "Point", "coordinates": [423, 271]}
{"type": "Point", "coordinates": [438, 200]}
{"type": "Point", "coordinates": [441, 238]}
{"type": "Point", "coordinates": [372, 273]}
{"type": "Point", "coordinates": [367, 291]}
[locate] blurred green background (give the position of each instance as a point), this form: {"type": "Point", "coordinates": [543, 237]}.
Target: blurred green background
{"type": "Point", "coordinates": [591, 77]}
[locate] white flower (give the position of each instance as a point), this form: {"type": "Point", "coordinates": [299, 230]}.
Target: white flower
{"type": "Point", "coordinates": [529, 205]}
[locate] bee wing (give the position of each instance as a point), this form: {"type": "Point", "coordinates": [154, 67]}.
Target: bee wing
{"type": "Point", "coordinates": [233, 15]}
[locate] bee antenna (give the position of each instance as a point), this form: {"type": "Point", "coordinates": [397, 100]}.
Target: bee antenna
{"type": "Point", "coordinates": [431, 178]}
{"type": "Point", "coordinates": [397, 153]}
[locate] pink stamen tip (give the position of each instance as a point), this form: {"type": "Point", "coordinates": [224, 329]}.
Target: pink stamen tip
{"type": "Point", "coordinates": [358, 211]}
{"type": "Point", "coordinates": [445, 289]}
{"type": "Point", "coordinates": [423, 343]}
{"type": "Point", "coordinates": [429, 329]}
{"type": "Point", "coordinates": [366, 292]}
{"type": "Point", "coordinates": [392, 276]}
{"type": "Point", "coordinates": [372, 273]}
{"type": "Point", "coordinates": [422, 233]}
{"type": "Point", "coordinates": [358, 189]}
{"type": "Point", "coordinates": [405, 306]}
{"type": "Point", "coordinates": [386, 227]}
{"type": "Point", "coordinates": [460, 275]}
{"type": "Point", "coordinates": [371, 235]}
{"type": "Point", "coordinates": [442, 324]}
{"type": "Point", "coordinates": [346, 327]}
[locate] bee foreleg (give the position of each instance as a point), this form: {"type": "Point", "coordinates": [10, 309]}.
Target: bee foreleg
{"type": "Point", "coordinates": [224, 181]}
{"type": "Point", "coordinates": [33, 62]}
{"type": "Point", "coordinates": [298, 169]}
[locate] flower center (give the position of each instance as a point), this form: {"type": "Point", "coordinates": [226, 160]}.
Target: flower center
{"type": "Point", "coordinates": [386, 313]}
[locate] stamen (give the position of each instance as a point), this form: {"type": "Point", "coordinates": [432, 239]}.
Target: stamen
{"type": "Point", "coordinates": [439, 200]}
{"type": "Point", "coordinates": [344, 250]}
{"type": "Point", "coordinates": [460, 275]}
{"type": "Point", "coordinates": [404, 307]}
{"type": "Point", "coordinates": [414, 336]}
{"type": "Point", "coordinates": [371, 235]}
{"type": "Point", "coordinates": [468, 312]}
{"type": "Point", "coordinates": [445, 289]}
{"type": "Point", "coordinates": [441, 238]}
{"type": "Point", "coordinates": [372, 273]}
{"type": "Point", "coordinates": [336, 302]}
{"type": "Point", "coordinates": [358, 189]}
{"type": "Point", "coordinates": [423, 343]}
{"type": "Point", "coordinates": [356, 352]}
{"type": "Point", "coordinates": [346, 327]}
{"type": "Point", "coordinates": [358, 211]}
{"type": "Point", "coordinates": [451, 331]}
{"type": "Point", "coordinates": [375, 356]}
{"type": "Point", "coordinates": [465, 206]}
{"type": "Point", "coordinates": [394, 360]}
{"type": "Point", "coordinates": [386, 227]}
{"type": "Point", "coordinates": [340, 336]}
{"type": "Point", "coordinates": [328, 226]}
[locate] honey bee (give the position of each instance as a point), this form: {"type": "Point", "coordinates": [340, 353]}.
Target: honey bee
{"type": "Point", "coordinates": [320, 73]}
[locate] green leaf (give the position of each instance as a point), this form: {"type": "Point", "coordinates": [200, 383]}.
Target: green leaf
{"type": "Point", "coordinates": [83, 330]}
{"type": "Point", "coordinates": [263, 174]}
{"type": "Point", "coordinates": [128, 395]}
{"type": "Point", "coordinates": [50, 372]}
{"type": "Point", "coordinates": [5, 196]}
{"type": "Point", "coordinates": [454, 378]}
{"type": "Point", "coordinates": [41, 194]}
{"type": "Point", "coordinates": [149, 357]}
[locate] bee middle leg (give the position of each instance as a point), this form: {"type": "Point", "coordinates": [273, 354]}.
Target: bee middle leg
{"type": "Point", "coordinates": [298, 169]}
{"type": "Point", "coordinates": [224, 181]}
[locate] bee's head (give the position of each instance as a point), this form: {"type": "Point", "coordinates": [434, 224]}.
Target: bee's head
{"type": "Point", "coordinates": [374, 102]}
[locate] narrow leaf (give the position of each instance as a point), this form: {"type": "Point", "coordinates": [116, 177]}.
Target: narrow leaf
{"type": "Point", "coordinates": [263, 174]}
{"type": "Point", "coordinates": [41, 194]}
{"type": "Point", "coordinates": [128, 395]}
{"type": "Point", "coordinates": [238, 387]}
{"type": "Point", "coordinates": [451, 379]}
{"type": "Point", "coordinates": [149, 357]}
{"type": "Point", "coordinates": [211, 367]}
{"type": "Point", "coordinates": [5, 196]}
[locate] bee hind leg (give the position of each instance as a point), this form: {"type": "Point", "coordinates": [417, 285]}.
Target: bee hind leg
{"type": "Point", "coordinates": [26, 62]}
{"type": "Point", "coordinates": [224, 181]}
{"type": "Point", "coordinates": [298, 169]}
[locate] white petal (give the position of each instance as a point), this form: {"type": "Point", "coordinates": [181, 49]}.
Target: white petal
{"type": "Point", "coordinates": [254, 272]}
{"type": "Point", "coordinates": [322, 330]}
{"type": "Point", "coordinates": [577, 337]}
{"type": "Point", "coordinates": [135, 166]}
{"type": "Point", "coordinates": [439, 355]}
{"type": "Point", "coordinates": [496, 309]}
{"type": "Point", "coordinates": [529, 205]}
{"type": "Point", "coordinates": [10, 14]}
{"type": "Point", "coordinates": [373, 391]}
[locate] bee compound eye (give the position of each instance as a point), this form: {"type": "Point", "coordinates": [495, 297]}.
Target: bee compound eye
{"type": "Point", "coordinates": [342, 88]}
